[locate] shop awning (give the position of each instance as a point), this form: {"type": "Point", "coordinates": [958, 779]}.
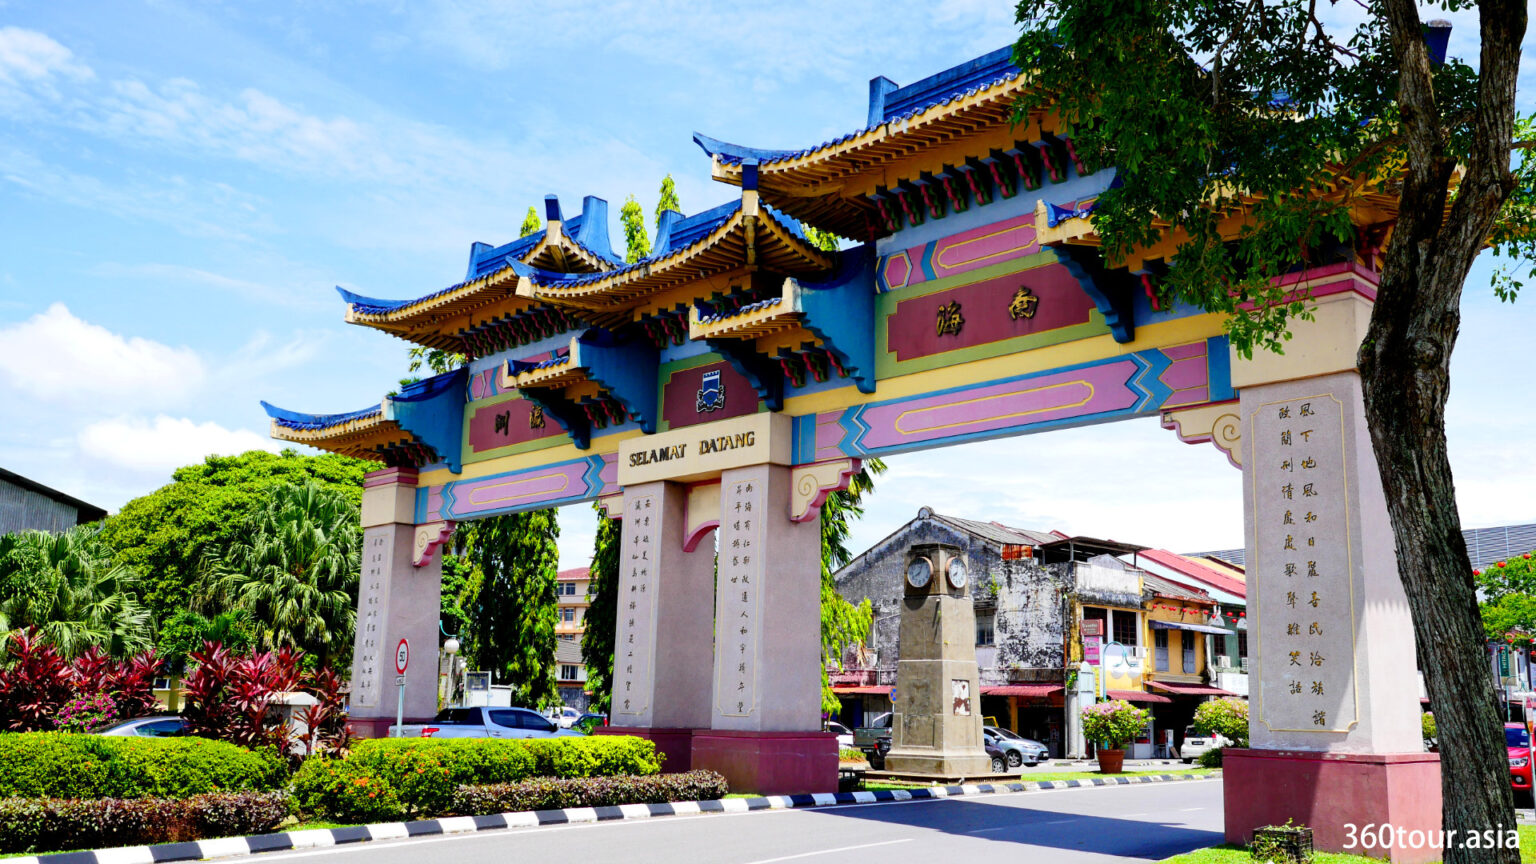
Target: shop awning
{"type": "Point", "coordinates": [1193, 628]}
{"type": "Point", "coordinates": [1181, 689]}
{"type": "Point", "coordinates": [1137, 696]}
{"type": "Point", "coordinates": [861, 690]}
{"type": "Point", "coordinates": [1036, 691]}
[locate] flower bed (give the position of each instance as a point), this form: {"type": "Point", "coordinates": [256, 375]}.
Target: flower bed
{"type": "Point", "coordinates": [59, 825]}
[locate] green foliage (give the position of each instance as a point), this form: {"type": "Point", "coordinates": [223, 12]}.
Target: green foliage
{"type": "Point", "coordinates": [69, 587]}
{"type": "Point", "coordinates": [851, 754]}
{"type": "Point", "coordinates": [1225, 717]}
{"type": "Point", "coordinates": [1211, 758]}
{"type": "Point", "coordinates": [602, 611]}
{"type": "Point", "coordinates": [636, 244]}
{"type": "Point", "coordinates": [1508, 589]}
{"type": "Point", "coordinates": [1427, 727]}
{"type": "Point", "coordinates": [61, 765]}
{"type": "Point", "coordinates": [343, 790]}
{"type": "Point", "coordinates": [512, 620]}
{"type": "Point", "coordinates": [1193, 140]}
{"type": "Point", "coordinates": [1114, 724]}
{"type": "Point", "coordinates": [472, 761]}
{"type": "Point", "coordinates": [824, 240]}
{"type": "Point", "coordinates": [531, 223]}
{"type": "Point", "coordinates": [667, 199]}
{"type": "Point", "coordinates": [553, 794]}
{"type": "Point", "coordinates": [187, 631]}
{"type": "Point", "coordinates": [165, 535]}
{"type": "Point", "coordinates": [842, 623]}
{"type": "Point", "coordinates": [293, 567]}
{"type": "Point", "coordinates": [55, 825]}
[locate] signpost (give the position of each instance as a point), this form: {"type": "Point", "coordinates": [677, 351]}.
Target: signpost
{"type": "Point", "coordinates": [402, 660]}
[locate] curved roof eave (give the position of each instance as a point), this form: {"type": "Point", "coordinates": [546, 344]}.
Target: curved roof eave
{"type": "Point", "coordinates": [316, 422]}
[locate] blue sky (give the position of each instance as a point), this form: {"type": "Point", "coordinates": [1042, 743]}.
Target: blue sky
{"type": "Point", "coordinates": [181, 185]}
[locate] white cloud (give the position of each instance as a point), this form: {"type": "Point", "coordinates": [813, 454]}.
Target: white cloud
{"type": "Point", "coordinates": [165, 443]}
{"type": "Point", "coordinates": [27, 55]}
{"type": "Point", "coordinates": [58, 358]}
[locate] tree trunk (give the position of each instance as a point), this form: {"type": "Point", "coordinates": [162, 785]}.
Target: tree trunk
{"type": "Point", "coordinates": [1405, 371]}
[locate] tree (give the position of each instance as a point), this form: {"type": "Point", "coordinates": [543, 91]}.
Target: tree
{"type": "Point", "coordinates": [602, 611]}
{"type": "Point", "coordinates": [842, 623]}
{"type": "Point", "coordinates": [636, 244]}
{"type": "Point", "coordinates": [293, 568]}
{"type": "Point", "coordinates": [666, 199]}
{"type": "Point", "coordinates": [1206, 109]}
{"type": "Point", "coordinates": [68, 588]}
{"type": "Point", "coordinates": [531, 223]}
{"type": "Point", "coordinates": [187, 630]}
{"type": "Point", "coordinates": [512, 621]}
{"type": "Point", "coordinates": [164, 535]}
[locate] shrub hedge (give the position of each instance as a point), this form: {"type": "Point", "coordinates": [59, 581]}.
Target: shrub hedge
{"type": "Point", "coordinates": [552, 794]}
{"type": "Point", "coordinates": [63, 765]}
{"type": "Point", "coordinates": [59, 825]}
{"type": "Point", "coordinates": [508, 760]}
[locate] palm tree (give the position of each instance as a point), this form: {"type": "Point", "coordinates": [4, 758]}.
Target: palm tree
{"type": "Point", "coordinates": [293, 568]}
{"type": "Point", "coordinates": [70, 589]}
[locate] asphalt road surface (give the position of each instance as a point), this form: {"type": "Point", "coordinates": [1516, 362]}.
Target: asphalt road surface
{"type": "Point", "coordinates": [1147, 822]}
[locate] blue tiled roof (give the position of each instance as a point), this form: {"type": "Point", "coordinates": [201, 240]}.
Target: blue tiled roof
{"type": "Point", "coordinates": [985, 71]}
{"type": "Point", "coordinates": [486, 261]}
{"type": "Point", "coordinates": [750, 307]}
{"type": "Point", "coordinates": [685, 233]}
{"type": "Point", "coordinates": [296, 420]}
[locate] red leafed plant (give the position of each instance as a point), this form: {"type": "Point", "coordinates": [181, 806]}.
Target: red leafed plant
{"type": "Point", "coordinates": [34, 685]}
{"type": "Point", "coordinates": [232, 698]}
{"type": "Point", "coordinates": [133, 684]}
{"type": "Point", "coordinates": [326, 721]}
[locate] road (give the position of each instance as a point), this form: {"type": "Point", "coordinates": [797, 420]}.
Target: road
{"type": "Point", "coordinates": [1148, 822]}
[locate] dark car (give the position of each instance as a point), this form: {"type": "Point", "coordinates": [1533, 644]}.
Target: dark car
{"type": "Point", "coordinates": [1518, 740]}
{"type": "Point", "coordinates": [148, 727]}
{"type": "Point", "coordinates": [998, 757]}
{"type": "Point", "coordinates": [588, 722]}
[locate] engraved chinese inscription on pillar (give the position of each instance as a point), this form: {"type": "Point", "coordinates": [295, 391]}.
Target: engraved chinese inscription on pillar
{"type": "Point", "coordinates": [370, 624]}
{"type": "Point", "coordinates": [634, 657]}
{"type": "Point", "coordinates": [738, 599]}
{"type": "Point", "coordinates": [1306, 640]}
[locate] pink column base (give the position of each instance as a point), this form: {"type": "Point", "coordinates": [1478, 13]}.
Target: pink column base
{"type": "Point", "coordinates": [769, 763]}
{"type": "Point", "coordinates": [674, 745]}
{"type": "Point", "coordinates": [1328, 791]}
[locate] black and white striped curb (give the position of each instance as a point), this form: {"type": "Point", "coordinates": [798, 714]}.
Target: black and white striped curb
{"type": "Point", "coordinates": [322, 837]}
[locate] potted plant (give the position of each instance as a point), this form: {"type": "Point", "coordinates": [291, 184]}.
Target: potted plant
{"type": "Point", "coordinates": [1113, 725]}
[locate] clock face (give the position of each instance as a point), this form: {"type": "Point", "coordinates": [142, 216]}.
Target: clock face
{"type": "Point", "coordinates": [956, 572]}
{"type": "Point", "coordinates": [919, 572]}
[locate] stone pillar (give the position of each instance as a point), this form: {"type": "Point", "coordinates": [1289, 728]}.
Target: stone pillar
{"type": "Point", "coordinates": [765, 733]}
{"type": "Point", "coordinates": [665, 628]}
{"type": "Point", "coordinates": [1334, 713]}
{"type": "Point", "coordinates": [399, 597]}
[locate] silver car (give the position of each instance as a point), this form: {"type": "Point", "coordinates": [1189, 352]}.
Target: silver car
{"type": "Point", "coordinates": [148, 727]}
{"type": "Point", "coordinates": [1020, 750]}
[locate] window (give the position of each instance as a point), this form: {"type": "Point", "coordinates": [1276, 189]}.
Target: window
{"type": "Point", "coordinates": [162, 684]}
{"type": "Point", "coordinates": [567, 672]}
{"type": "Point", "coordinates": [566, 637]}
{"type": "Point", "coordinates": [1126, 627]}
{"type": "Point", "coordinates": [162, 728]}
{"type": "Point", "coordinates": [1242, 647]}
{"type": "Point", "coordinates": [567, 614]}
{"type": "Point", "coordinates": [567, 589]}
{"type": "Point", "coordinates": [1188, 640]}
{"type": "Point", "coordinates": [1160, 649]}
{"type": "Point", "coordinates": [984, 626]}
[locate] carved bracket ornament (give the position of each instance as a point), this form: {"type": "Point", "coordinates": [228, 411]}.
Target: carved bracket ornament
{"type": "Point", "coordinates": [429, 538]}
{"type": "Point", "coordinates": [612, 506]}
{"type": "Point", "coordinates": [1217, 424]}
{"type": "Point", "coordinates": [811, 484]}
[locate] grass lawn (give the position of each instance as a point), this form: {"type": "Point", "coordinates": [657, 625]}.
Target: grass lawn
{"type": "Point", "coordinates": [1229, 854]}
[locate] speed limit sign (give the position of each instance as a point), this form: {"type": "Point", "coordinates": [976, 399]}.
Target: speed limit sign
{"type": "Point", "coordinates": [402, 656]}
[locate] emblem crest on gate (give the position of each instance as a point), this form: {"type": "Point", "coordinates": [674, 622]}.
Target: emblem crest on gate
{"type": "Point", "coordinates": [711, 393]}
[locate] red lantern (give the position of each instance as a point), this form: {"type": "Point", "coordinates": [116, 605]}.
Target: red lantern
{"type": "Point", "coordinates": [1500, 565]}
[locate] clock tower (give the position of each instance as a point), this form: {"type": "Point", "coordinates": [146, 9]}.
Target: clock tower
{"type": "Point", "coordinates": [936, 727]}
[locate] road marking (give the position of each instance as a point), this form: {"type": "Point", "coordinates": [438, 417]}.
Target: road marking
{"type": "Point", "coordinates": [830, 851]}
{"type": "Point", "coordinates": [1022, 825]}
{"type": "Point", "coordinates": [1191, 809]}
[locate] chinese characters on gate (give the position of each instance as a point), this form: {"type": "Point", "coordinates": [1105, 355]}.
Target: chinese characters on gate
{"type": "Point", "coordinates": [370, 620]}
{"type": "Point", "coordinates": [633, 656]}
{"type": "Point", "coordinates": [1300, 511]}
{"type": "Point", "coordinates": [738, 599]}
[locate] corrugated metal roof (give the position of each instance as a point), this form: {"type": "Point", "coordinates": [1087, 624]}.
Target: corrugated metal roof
{"type": "Point", "coordinates": [1195, 570]}
{"type": "Point", "coordinates": [1164, 588]}
{"type": "Point", "coordinates": [568, 651]}
{"type": "Point", "coordinates": [994, 532]}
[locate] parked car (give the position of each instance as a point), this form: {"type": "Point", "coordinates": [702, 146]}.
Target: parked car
{"type": "Point", "coordinates": [485, 723]}
{"type": "Point", "coordinates": [589, 721]}
{"type": "Point", "coordinates": [1518, 740]}
{"type": "Point", "coordinates": [1195, 745]}
{"type": "Point", "coordinates": [874, 739]}
{"type": "Point", "coordinates": [1020, 750]}
{"type": "Point", "coordinates": [843, 733]}
{"type": "Point", "coordinates": [565, 716]}
{"type": "Point", "coordinates": [998, 757]}
{"type": "Point", "coordinates": [148, 727]}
